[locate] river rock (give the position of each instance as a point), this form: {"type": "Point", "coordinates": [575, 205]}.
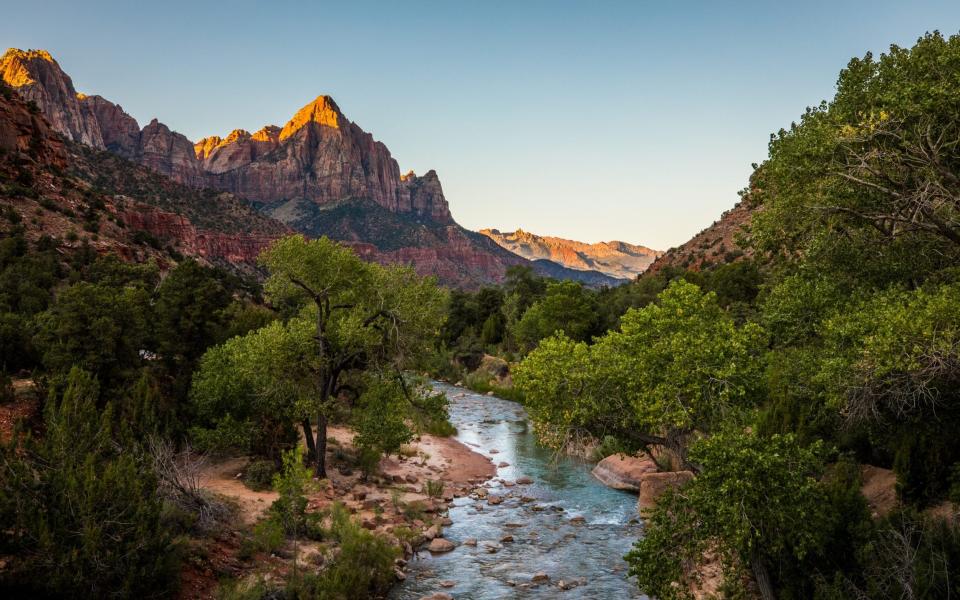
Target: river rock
{"type": "Point", "coordinates": [540, 577]}
{"type": "Point", "coordinates": [437, 596]}
{"type": "Point", "coordinates": [494, 500]}
{"type": "Point", "coordinates": [470, 542]}
{"type": "Point", "coordinates": [622, 472]}
{"type": "Point", "coordinates": [524, 480]}
{"type": "Point", "coordinates": [446, 583]}
{"type": "Point", "coordinates": [653, 485]}
{"type": "Point", "coordinates": [441, 545]}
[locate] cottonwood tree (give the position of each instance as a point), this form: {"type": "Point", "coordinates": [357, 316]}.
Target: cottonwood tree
{"type": "Point", "coordinates": [867, 185]}
{"type": "Point", "coordinates": [354, 322]}
{"type": "Point", "coordinates": [678, 366]}
{"type": "Point", "coordinates": [756, 503]}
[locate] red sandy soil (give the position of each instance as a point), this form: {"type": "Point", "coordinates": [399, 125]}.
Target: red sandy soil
{"type": "Point", "coordinates": [24, 408]}
{"type": "Point", "coordinates": [401, 477]}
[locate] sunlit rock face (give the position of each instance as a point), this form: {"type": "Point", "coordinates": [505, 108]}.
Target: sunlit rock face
{"type": "Point", "coordinates": [319, 173]}
{"type": "Point", "coordinates": [37, 77]}
{"type": "Point", "coordinates": [616, 259]}
{"type": "Point", "coordinates": [318, 155]}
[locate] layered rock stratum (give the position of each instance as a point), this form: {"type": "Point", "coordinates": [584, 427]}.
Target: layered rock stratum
{"type": "Point", "coordinates": [616, 259]}
{"type": "Point", "coordinates": [319, 173]}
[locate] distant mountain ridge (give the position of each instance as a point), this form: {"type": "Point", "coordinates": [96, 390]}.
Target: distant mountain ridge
{"type": "Point", "coordinates": [319, 173]}
{"type": "Point", "coordinates": [616, 259]}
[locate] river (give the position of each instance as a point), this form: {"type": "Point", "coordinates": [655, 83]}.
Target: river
{"type": "Point", "coordinates": [589, 553]}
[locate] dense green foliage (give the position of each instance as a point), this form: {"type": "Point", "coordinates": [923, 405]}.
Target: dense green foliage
{"type": "Point", "coordinates": [354, 328]}
{"type": "Point", "coordinates": [838, 341]}
{"type": "Point", "coordinates": [82, 514]}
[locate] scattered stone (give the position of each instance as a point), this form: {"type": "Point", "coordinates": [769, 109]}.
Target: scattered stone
{"type": "Point", "coordinates": [400, 575]}
{"type": "Point", "coordinates": [411, 478]}
{"type": "Point", "coordinates": [579, 520]}
{"type": "Point", "coordinates": [446, 583]}
{"type": "Point", "coordinates": [432, 532]}
{"type": "Point", "coordinates": [437, 596]}
{"type": "Point", "coordinates": [446, 521]}
{"type": "Point", "coordinates": [490, 393]}
{"type": "Point", "coordinates": [506, 539]}
{"type": "Point", "coordinates": [513, 525]}
{"type": "Point", "coordinates": [494, 451]}
{"type": "Point", "coordinates": [494, 500]}
{"type": "Point", "coordinates": [503, 464]}
{"type": "Point", "coordinates": [470, 542]}
{"type": "Point", "coordinates": [524, 480]}
{"type": "Point", "coordinates": [441, 545]}
{"type": "Point", "coordinates": [540, 577]}
{"type": "Point", "coordinates": [527, 499]}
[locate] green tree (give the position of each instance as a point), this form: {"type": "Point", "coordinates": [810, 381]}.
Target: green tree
{"type": "Point", "coordinates": [355, 318]}
{"type": "Point", "coordinates": [567, 306]}
{"type": "Point", "coordinates": [678, 366]}
{"type": "Point", "coordinates": [99, 328]}
{"type": "Point", "coordinates": [81, 512]}
{"type": "Point", "coordinates": [755, 503]}
{"type": "Point", "coordinates": [865, 186]}
{"type": "Point", "coordinates": [189, 314]}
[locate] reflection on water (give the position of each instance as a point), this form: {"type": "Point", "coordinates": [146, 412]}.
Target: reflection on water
{"type": "Point", "coordinates": [544, 539]}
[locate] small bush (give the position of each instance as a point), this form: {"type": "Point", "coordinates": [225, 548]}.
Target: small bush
{"type": "Point", "coordinates": [362, 569]}
{"type": "Point", "coordinates": [434, 488]}
{"type": "Point", "coordinates": [258, 476]}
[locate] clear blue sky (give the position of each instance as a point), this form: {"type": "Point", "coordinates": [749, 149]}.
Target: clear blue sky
{"type": "Point", "coordinates": [591, 120]}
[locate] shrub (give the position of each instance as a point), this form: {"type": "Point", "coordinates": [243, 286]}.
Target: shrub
{"type": "Point", "coordinates": [434, 488]}
{"type": "Point", "coordinates": [362, 569]}
{"type": "Point", "coordinates": [81, 512]}
{"type": "Point", "coordinates": [258, 476]}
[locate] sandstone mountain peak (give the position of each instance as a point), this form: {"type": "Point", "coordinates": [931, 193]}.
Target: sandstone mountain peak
{"type": "Point", "coordinates": [320, 174]}
{"type": "Point", "coordinates": [617, 259]}
{"type": "Point", "coordinates": [323, 111]}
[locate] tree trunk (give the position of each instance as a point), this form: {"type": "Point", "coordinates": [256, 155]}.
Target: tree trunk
{"type": "Point", "coordinates": [321, 448]}
{"type": "Point", "coordinates": [762, 576]}
{"type": "Point", "coordinates": [311, 446]}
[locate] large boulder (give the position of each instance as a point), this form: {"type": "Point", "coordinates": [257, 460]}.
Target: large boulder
{"type": "Point", "coordinates": [653, 485]}
{"type": "Point", "coordinates": [441, 545]}
{"type": "Point", "coordinates": [623, 472]}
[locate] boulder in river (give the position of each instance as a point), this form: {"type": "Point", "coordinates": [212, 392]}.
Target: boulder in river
{"type": "Point", "coordinates": [524, 480]}
{"type": "Point", "coordinates": [622, 472]}
{"type": "Point", "coordinates": [441, 545]}
{"type": "Point", "coordinates": [653, 485]}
